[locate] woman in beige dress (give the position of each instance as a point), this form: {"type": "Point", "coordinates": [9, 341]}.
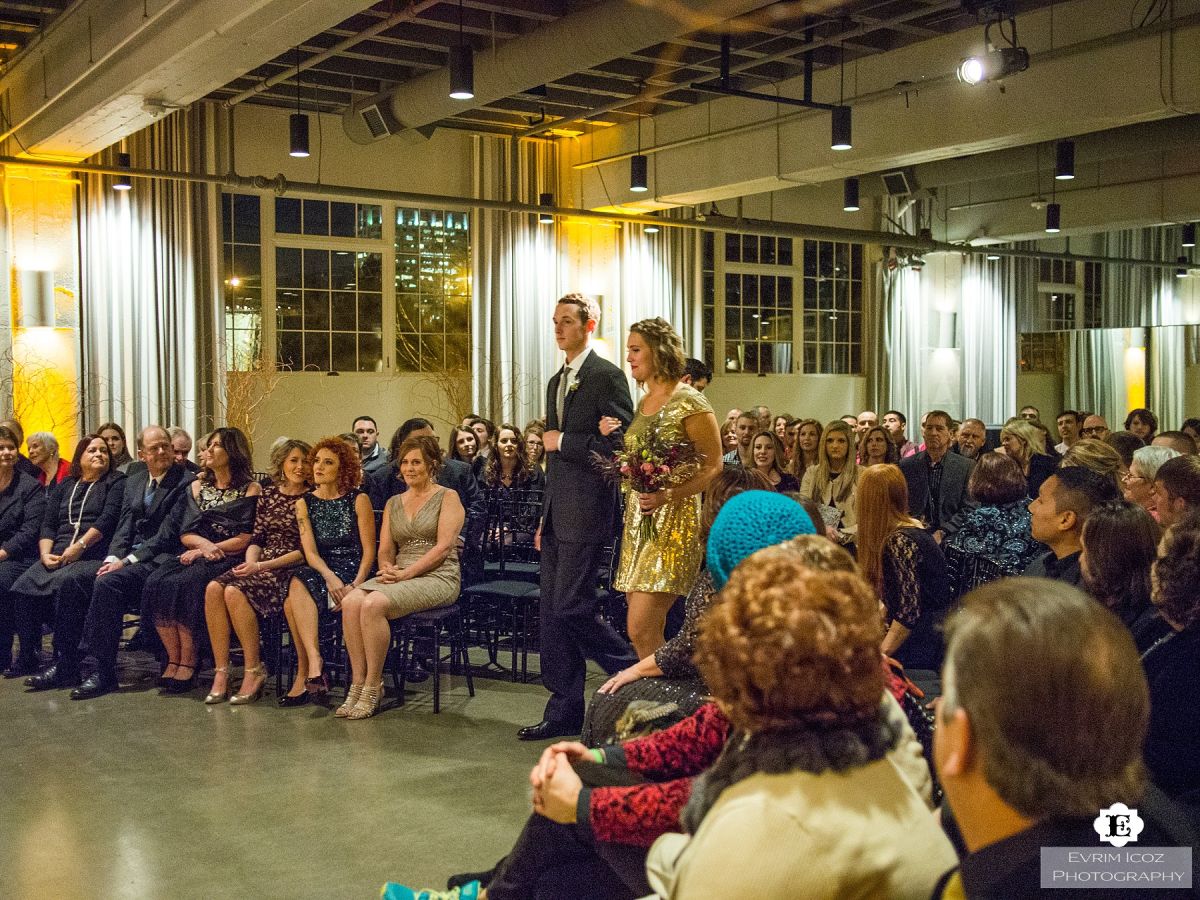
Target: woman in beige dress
{"type": "Point", "coordinates": [418, 570]}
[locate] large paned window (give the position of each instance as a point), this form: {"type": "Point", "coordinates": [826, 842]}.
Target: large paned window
{"type": "Point", "coordinates": [333, 286]}
{"type": "Point", "coordinates": [242, 285]}
{"type": "Point", "coordinates": [763, 311]}
{"type": "Point", "coordinates": [433, 290]}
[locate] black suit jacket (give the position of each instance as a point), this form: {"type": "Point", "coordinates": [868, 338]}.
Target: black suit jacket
{"type": "Point", "coordinates": [22, 507]}
{"type": "Point", "coordinates": [955, 501]}
{"type": "Point", "coordinates": [579, 504]}
{"type": "Point", "coordinates": [140, 530]}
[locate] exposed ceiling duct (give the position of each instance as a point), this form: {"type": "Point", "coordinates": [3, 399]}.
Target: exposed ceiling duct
{"type": "Point", "coordinates": [558, 49]}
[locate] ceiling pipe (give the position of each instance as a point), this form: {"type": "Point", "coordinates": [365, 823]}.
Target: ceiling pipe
{"type": "Point", "coordinates": [582, 40]}
{"type": "Point", "coordinates": [412, 12]}
{"type": "Point", "coordinates": [280, 186]}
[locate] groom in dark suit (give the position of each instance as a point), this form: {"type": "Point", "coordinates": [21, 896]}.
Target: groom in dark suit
{"type": "Point", "coordinates": [577, 519]}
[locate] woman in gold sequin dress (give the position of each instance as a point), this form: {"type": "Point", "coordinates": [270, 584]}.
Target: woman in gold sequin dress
{"type": "Point", "coordinates": [656, 569]}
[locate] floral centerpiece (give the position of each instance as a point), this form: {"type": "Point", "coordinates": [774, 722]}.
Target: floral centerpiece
{"type": "Point", "coordinates": [649, 462]}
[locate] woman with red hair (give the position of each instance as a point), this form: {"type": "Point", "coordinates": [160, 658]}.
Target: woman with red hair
{"type": "Point", "coordinates": [906, 566]}
{"type": "Point", "coordinates": [337, 534]}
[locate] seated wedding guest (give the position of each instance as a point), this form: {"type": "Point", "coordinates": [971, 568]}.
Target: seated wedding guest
{"type": "Point", "coordinates": [876, 448]}
{"type": "Point", "coordinates": [697, 373]}
{"type": "Point", "coordinates": [1040, 726]}
{"type": "Point", "coordinates": [181, 447]}
{"type": "Point", "coordinates": [1096, 455]}
{"type": "Point", "coordinates": [463, 445]}
{"type": "Point", "coordinates": [806, 446]}
{"type": "Point", "coordinates": [509, 472]}
{"type": "Point", "coordinates": [374, 459]}
{"type": "Point", "coordinates": [485, 433]}
{"type": "Point", "coordinates": [792, 656]}
{"type": "Point", "coordinates": [418, 570]}
{"type": "Point", "coordinates": [214, 521]}
{"type": "Point", "coordinates": [1143, 424]}
{"type": "Point", "coordinates": [114, 436]}
{"type": "Point", "coordinates": [1095, 426]}
{"type": "Point", "coordinates": [904, 563]}
{"type": "Point", "coordinates": [1176, 440]}
{"type": "Point", "coordinates": [768, 461]}
{"type": "Point", "coordinates": [668, 674]}
{"type": "Point", "coordinates": [729, 438]}
{"type": "Point", "coordinates": [972, 438]}
{"type": "Point", "coordinates": [1137, 484]}
{"type": "Point", "coordinates": [1025, 443]}
{"type": "Point", "coordinates": [833, 481]}
{"type": "Point", "coordinates": [937, 479]}
{"type": "Point", "coordinates": [140, 543]}
{"type": "Point", "coordinates": [780, 425]}
{"type": "Point", "coordinates": [732, 415]}
{"type": "Point", "coordinates": [22, 505]}
{"type": "Point", "coordinates": [23, 464]}
{"type": "Point", "coordinates": [763, 414]}
{"type": "Point", "coordinates": [80, 517]}
{"type": "Point", "coordinates": [999, 527]}
{"type": "Point", "coordinates": [1120, 543]}
{"type": "Point", "coordinates": [43, 453]}
{"type": "Point", "coordinates": [1030, 414]}
{"type": "Point", "coordinates": [1191, 427]}
{"type": "Point", "coordinates": [896, 422]}
{"type": "Point", "coordinates": [598, 811]}
{"type": "Point", "coordinates": [535, 448]}
{"type": "Point", "coordinates": [255, 588]}
{"type": "Point", "coordinates": [1068, 423]}
{"type": "Point", "coordinates": [745, 428]}
{"type": "Point", "coordinates": [337, 534]}
{"type": "Point", "coordinates": [1056, 518]}
{"type": "Point", "coordinates": [1176, 489]}
{"type": "Point", "coordinates": [1172, 666]}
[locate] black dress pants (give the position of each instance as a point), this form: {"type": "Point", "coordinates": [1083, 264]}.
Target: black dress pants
{"type": "Point", "coordinates": [112, 595]}
{"type": "Point", "coordinates": [552, 861]}
{"type": "Point", "coordinates": [72, 595]}
{"type": "Point", "coordinates": [10, 571]}
{"type": "Point", "coordinates": [572, 630]}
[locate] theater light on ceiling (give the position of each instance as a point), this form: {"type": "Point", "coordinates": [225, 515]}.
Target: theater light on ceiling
{"type": "Point", "coordinates": [999, 61]}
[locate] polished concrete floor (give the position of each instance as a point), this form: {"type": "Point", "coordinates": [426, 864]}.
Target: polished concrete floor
{"type": "Point", "coordinates": [137, 795]}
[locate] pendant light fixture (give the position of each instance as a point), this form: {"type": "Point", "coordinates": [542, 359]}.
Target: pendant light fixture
{"type": "Point", "coordinates": [545, 218]}
{"type": "Point", "coordinates": [462, 65]}
{"type": "Point", "coordinates": [1053, 218]}
{"type": "Point", "coordinates": [639, 166]}
{"type": "Point", "coordinates": [1064, 160]}
{"type": "Point", "coordinates": [840, 116]}
{"type": "Point", "coordinates": [298, 122]}
{"type": "Point", "coordinates": [1182, 271]}
{"type": "Point", "coordinates": [850, 195]}
{"type": "Point", "coordinates": [1189, 234]}
{"type": "Point", "coordinates": [651, 227]}
{"type": "Point", "coordinates": [122, 183]}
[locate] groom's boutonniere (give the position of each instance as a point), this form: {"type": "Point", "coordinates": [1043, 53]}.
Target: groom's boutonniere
{"type": "Point", "coordinates": [573, 386]}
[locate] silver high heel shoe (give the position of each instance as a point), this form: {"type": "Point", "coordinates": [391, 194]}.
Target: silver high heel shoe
{"type": "Point", "coordinates": [215, 697]}
{"type": "Point", "coordinates": [243, 699]}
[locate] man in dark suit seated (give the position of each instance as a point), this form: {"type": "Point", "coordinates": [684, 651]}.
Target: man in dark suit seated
{"type": "Point", "coordinates": [1040, 731]}
{"type": "Point", "coordinates": [141, 542]}
{"type": "Point", "coordinates": [937, 479]}
{"type": "Point", "coordinates": [578, 517]}
{"type": "Point", "coordinates": [1056, 518]}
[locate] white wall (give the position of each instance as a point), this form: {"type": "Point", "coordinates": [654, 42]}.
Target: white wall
{"type": "Point", "coordinates": [1044, 390]}
{"type": "Point", "coordinates": [823, 397]}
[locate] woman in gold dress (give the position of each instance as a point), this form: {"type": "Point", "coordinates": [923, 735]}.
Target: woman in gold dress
{"type": "Point", "coordinates": [654, 570]}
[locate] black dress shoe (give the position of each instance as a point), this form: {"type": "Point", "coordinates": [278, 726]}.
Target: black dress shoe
{"type": "Point", "coordinates": [54, 677]}
{"type": "Point", "coordinates": [287, 700]}
{"type": "Point", "coordinates": [484, 878]}
{"type": "Point", "coordinates": [545, 730]}
{"type": "Point", "coordinates": [95, 685]}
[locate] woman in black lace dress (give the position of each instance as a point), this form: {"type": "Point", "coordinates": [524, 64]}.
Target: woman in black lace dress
{"type": "Point", "coordinates": [255, 589]}
{"type": "Point", "coordinates": [337, 532]}
{"type": "Point", "coordinates": [215, 525]}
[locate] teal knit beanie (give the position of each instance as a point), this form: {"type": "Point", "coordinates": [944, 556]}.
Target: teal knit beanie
{"type": "Point", "coordinates": [748, 522]}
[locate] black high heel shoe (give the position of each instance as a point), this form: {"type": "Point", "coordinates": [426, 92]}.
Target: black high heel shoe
{"type": "Point", "coordinates": [318, 685]}
{"type": "Point", "coordinates": [163, 680]}
{"type": "Point", "coordinates": [181, 685]}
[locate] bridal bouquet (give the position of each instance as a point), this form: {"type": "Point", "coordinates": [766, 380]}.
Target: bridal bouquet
{"type": "Point", "coordinates": [650, 462]}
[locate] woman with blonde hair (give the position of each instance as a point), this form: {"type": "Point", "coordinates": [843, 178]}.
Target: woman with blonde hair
{"type": "Point", "coordinates": [1096, 455]}
{"type": "Point", "coordinates": [833, 482]}
{"type": "Point", "coordinates": [904, 563]}
{"type": "Point", "coordinates": [657, 568]}
{"type": "Point", "coordinates": [1025, 443]}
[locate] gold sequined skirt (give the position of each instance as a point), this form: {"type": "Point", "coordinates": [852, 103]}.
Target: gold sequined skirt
{"type": "Point", "coordinates": [668, 561]}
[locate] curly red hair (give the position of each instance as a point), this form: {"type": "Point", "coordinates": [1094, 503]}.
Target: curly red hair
{"type": "Point", "coordinates": [788, 645]}
{"type": "Point", "coordinates": [349, 464]}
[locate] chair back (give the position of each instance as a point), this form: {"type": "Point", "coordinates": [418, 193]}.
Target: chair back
{"type": "Point", "coordinates": [960, 567]}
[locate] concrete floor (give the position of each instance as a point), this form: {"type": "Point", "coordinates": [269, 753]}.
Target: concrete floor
{"type": "Point", "coordinates": [137, 795]}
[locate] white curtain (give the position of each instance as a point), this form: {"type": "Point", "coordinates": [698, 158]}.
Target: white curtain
{"type": "Point", "coordinates": [516, 280]}
{"type": "Point", "coordinates": [1096, 372]}
{"type": "Point", "coordinates": [150, 284]}
{"type": "Point", "coordinates": [989, 335]}
{"type": "Point", "coordinates": [1168, 357]}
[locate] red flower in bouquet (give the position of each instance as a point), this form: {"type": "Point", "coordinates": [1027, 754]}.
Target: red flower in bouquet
{"type": "Point", "coordinates": [649, 463]}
